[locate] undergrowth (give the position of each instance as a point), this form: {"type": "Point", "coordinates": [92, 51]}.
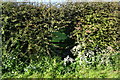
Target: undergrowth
{"type": "Point", "coordinates": [48, 67]}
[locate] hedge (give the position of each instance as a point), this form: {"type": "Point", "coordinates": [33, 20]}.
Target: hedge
{"type": "Point", "coordinates": [31, 31]}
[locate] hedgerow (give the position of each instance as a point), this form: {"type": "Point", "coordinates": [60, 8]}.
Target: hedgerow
{"type": "Point", "coordinates": [30, 32]}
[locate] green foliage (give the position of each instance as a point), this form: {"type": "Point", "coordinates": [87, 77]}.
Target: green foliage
{"type": "Point", "coordinates": [96, 32]}
{"type": "Point", "coordinates": [53, 68]}
{"type": "Point", "coordinates": [59, 37]}
{"type": "Point", "coordinates": [97, 27]}
{"type": "Point", "coordinates": [29, 32]}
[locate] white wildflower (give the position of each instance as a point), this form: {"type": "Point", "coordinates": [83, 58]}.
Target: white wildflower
{"type": "Point", "coordinates": [68, 59]}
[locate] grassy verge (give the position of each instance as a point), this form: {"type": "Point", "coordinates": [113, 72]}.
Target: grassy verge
{"type": "Point", "coordinates": [54, 68]}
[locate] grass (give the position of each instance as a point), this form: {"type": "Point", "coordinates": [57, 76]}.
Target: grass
{"type": "Point", "coordinates": [54, 68]}
{"type": "Point", "coordinates": [82, 73]}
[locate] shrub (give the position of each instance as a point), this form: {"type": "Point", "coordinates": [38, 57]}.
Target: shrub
{"type": "Point", "coordinates": [96, 32]}
{"type": "Point", "coordinates": [30, 32]}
